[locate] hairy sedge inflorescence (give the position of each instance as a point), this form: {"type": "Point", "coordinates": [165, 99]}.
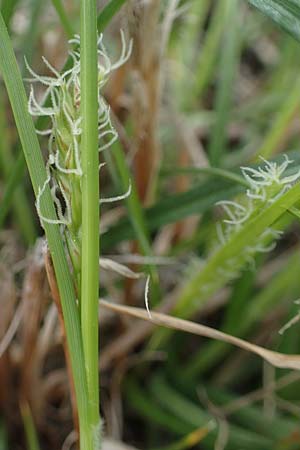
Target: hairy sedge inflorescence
{"type": "Point", "coordinates": [266, 184]}
{"type": "Point", "coordinates": [64, 171]}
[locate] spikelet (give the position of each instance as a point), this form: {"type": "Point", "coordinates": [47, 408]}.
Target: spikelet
{"type": "Point", "coordinates": [266, 185]}
{"type": "Point", "coordinates": [63, 166]}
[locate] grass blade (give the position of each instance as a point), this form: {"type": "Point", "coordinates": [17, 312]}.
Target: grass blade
{"type": "Point", "coordinates": [108, 13]}
{"type": "Point", "coordinates": [29, 427]}
{"type": "Point", "coordinates": [286, 13]}
{"type": "Point", "coordinates": [7, 10]}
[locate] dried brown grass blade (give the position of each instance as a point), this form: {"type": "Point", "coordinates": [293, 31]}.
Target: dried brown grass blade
{"type": "Point", "coordinates": [276, 359]}
{"type": "Point", "coordinates": [143, 21]}
{"type": "Point", "coordinates": [34, 299]}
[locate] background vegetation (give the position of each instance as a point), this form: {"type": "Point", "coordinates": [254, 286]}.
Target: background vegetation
{"type": "Point", "coordinates": [210, 86]}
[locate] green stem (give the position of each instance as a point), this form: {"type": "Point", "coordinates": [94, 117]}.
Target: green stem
{"type": "Point", "coordinates": [90, 204]}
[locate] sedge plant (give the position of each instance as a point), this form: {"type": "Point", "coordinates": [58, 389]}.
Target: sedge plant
{"type": "Point", "coordinates": [67, 190]}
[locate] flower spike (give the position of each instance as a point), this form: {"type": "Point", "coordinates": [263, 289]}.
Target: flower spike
{"type": "Point", "coordinates": [267, 184]}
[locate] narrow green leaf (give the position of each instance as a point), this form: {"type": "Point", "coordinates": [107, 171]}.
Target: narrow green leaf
{"type": "Point", "coordinates": [7, 10]}
{"type": "Point", "coordinates": [285, 13]}
{"type": "Point", "coordinates": [108, 12]}
{"type": "Point", "coordinates": [29, 427]}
